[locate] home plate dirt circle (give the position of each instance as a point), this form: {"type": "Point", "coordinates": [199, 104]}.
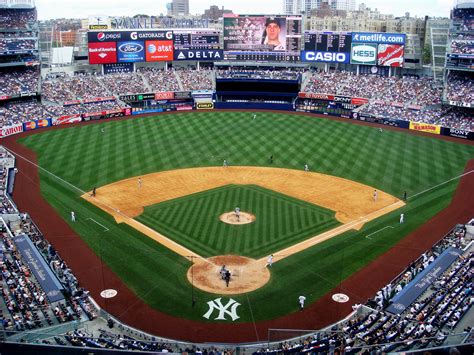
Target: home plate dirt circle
{"type": "Point", "coordinates": [231, 218]}
{"type": "Point", "coordinates": [246, 274]}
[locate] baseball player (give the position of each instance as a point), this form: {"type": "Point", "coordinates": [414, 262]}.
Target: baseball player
{"type": "Point", "coordinates": [375, 195]}
{"type": "Point", "coordinates": [269, 261]}
{"type": "Point", "coordinates": [402, 218]}
{"type": "Point", "coordinates": [225, 164]}
{"type": "Point", "coordinates": [254, 116]}
{"type": "Point", "coordinates": [139, 182]}
{"type": "Point", "coordinates": [73, 216]}
{"type": "Point", "coordinates": [227, 278]}
{"type": "Point", "coordinates": [306, 167]}
{"type": "Point", "coordinates": [237, 213]}
{"type": "Point", "coordinates": [93, 192]}
{"type": "Point", "coordinates": [301, 300]}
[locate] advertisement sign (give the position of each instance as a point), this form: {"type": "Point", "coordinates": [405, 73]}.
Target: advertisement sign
{"type": "Point", "coordinates": [165, 95]}
{"type": "Point", "coordinates": [202, 94]}
{"type": "Point", "coordinates": [31, 125]}
{"type": "Point", "coordinates": [425, 127]}
{"type": "Point", "coordinates": [204, 105]}
{"type": "Point", "coordinates": [325, 57]}
{"type": "Point", "coordinates": [312, 95]}
{"type": "Point", "coordinates": [131, 51]}
{"type": "Point", "coordinates": [376, 37]}
{"type": "Point", "coordinates": [67, 119]}
{"type": "Point", "coordinates": [99, 99]}
{"type": "Point", "coordinates": [182, 95]}
{"type": "Point", "coordinates": [390, 55]}
{"type": "Point", "coordinates": [99, 22]}
{"type": "Point", "coordinates": [102, 53]}
{"type": "Point", "coordinates": [184, 108]}
{"type": "Point", "coordinates": [199, 54]}
{"type": "Point", "coordinates": [461, 133]}
{"type": "Point", "coordinates": [358, 101]}
{"type": "Point", "coordinates": [158, 51]}
{"type": "Point", "coordinates": [365, 54]}
{"type": "Point", "coordinates": [9, 130]}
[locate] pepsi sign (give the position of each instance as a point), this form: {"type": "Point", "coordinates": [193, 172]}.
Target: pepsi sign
{"type": "Point", "coordinates": [131, 51]}
{"type": "Point", "coordinates": [325, 57]}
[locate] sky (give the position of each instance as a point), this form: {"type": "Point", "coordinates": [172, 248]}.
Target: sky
{"type": "Point", "coordinates": [48, 9]}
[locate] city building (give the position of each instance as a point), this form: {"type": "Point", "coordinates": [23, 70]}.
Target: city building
{"type": "Point", "coordinates": [214, 12]}
{"type": "Point", "coordinates": [178, 8]}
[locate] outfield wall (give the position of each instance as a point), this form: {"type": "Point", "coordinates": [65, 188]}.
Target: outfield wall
{"type": "Point", "coordinates": [348, 114]}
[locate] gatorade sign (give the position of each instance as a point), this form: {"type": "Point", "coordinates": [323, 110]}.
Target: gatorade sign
{"type": "Point", "coordinates": [364, 53]}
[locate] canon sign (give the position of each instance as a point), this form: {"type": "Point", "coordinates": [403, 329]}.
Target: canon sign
{"type": "Point", "coordinates": [327, 57]}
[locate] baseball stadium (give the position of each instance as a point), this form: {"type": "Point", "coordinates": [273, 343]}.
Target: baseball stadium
{"type": "Point", "coordinates": [249, 184]}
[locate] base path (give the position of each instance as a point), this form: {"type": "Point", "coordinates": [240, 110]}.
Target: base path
{"type": "Point", "coordinates": [349, 199]}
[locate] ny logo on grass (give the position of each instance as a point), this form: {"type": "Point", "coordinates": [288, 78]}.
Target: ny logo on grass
{"type": "Point", "coordinates": [223, 310]}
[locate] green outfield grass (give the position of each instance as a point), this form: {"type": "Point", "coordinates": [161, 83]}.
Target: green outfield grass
{"type": "Point", "coordinates": [281, 221]}
{"type": "Point", "coordinates": [390, 161]}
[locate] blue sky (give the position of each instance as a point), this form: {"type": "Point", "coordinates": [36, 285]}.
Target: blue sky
{"type": "Point", "coordinates": [83, 8]}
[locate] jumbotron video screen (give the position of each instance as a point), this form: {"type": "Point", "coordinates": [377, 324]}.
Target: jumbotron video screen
{"type": "Point", "coordinates": [262, 37]}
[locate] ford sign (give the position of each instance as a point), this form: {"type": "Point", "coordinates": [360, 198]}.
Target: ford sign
{"type": "Point", "coordinates": [130, 47]}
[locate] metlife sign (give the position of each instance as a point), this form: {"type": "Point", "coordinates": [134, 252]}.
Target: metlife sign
{"type": "Point", "coordinates": [376, 37]}
{"type": "Point", "coordinates": [364, 53]}
{"type": "Point", "coordinates": [325, 57]}
{"type": "Point", "coordinates": [199, 54]}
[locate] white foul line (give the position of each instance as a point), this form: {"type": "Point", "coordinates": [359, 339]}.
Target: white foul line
{"type": "Point", "coordinates": [367, 236]}
{"type": "Point", "coordinates": [445, 182]}
{"type": "Point", "coordinates": [105, 228]}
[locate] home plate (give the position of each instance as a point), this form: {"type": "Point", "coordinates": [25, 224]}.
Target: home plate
{"type": "Point", "coordinates": [340, 298]}
{"type": "Point", "coordinates": [109, 293]}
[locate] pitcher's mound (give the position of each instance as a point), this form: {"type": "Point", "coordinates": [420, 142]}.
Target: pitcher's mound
{"type": "Point", "coordinates": [246, 274]}
{"type": "Point", "coordinates": [231, 218]}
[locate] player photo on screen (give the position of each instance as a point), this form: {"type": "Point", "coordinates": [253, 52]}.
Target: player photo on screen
{"type": "Point", "coordinates": [274, 35]}
{"type": "Point", "coordinates": [255, 34]}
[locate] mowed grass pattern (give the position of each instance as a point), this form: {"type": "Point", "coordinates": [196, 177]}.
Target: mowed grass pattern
{"type": "Point", "coordinates": [390, 161]}
{"type": "Point", "coordinates": [281, 221]}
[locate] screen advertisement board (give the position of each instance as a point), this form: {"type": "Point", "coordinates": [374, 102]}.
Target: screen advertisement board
{"type": "Point", "coordinates": [327, 47]}
{"type": "Point", "coordinates": [262, 37]}
{"type": "Point", "coordinates": [199, 54]}
{"type": "Point", "coordinates": [390, 55]}
{"type": "Point", "coordinates": [102, 53]}
{"type": "Point", "coordinates": [158, 51]}
{"type": "Point", "coordinates": [364, 53]}
{"type": "Point", "coordinates": [131, 51]}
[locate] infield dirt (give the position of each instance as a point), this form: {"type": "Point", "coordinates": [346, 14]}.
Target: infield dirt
{"type": "Point", "coordinates": [354, 204]}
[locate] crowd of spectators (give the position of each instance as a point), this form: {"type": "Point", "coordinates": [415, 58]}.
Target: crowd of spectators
{"type": "Point", "coordinates": [462, 47]}
{"type": "Point", "coordinates": [68, 88]}
{"type": "Point", "coordinates": [16, 18]}
{"type": "Point", "coordinates": [460, 87]}
{"type": "Point", "coordinates": [15, 82]}
{"type": "Point", "coordinates": [161, 80]}
{"type": "Point", "coordinates": [17, 44]}
{"type": "Point", "coordinates": [406, 90]}
{"type": "Point", "coordinates": [124, 83]}
{"type": "Point", "coordinates": [196, 79]}
{"type": "Point", "coordinates": [19, 112]}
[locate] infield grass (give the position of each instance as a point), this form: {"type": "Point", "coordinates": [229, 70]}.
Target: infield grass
{"type": "Point", "coordinates": [390, 161]}
{"type": "Point", "coordinates": [281, 221]}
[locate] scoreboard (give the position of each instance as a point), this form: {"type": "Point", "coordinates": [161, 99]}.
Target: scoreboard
{"type": "Point", "coordinates": [335, 42]}
{"type": "Point", "coordinates": [196, 39]}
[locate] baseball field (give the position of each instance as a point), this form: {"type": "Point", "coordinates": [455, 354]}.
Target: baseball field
{"type": "Point", "coordinates": [150, 233]}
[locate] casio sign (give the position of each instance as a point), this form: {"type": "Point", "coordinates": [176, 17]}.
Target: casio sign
{"type": "Point", "coordinates": [325, 57]}
{"type": "Point", "coordinates": [363, 53]}
{"type": "Point", "coordinates": [130, 48]}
